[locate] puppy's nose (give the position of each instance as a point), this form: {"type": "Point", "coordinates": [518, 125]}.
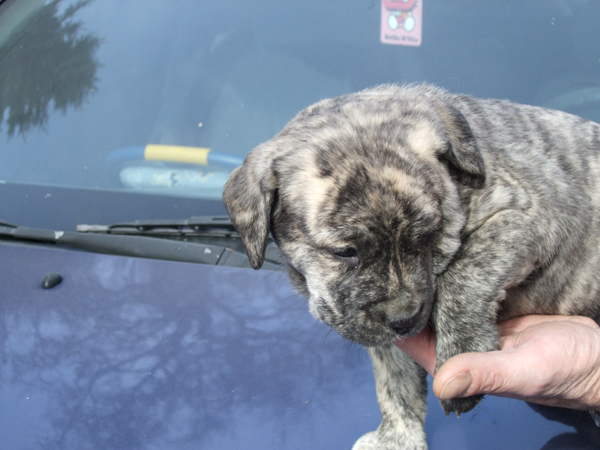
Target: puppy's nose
{"type": "Point", "coordinates": [403, 325]}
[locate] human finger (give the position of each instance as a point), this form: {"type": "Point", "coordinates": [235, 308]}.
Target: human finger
{"type": "Point", "coordinates": [421, 348]}
{"type": "Point", "coordinates": [483, 373]}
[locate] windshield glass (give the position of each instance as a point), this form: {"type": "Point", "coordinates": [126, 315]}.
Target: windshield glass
{"type": "Point", "coordinates": [130, 109]}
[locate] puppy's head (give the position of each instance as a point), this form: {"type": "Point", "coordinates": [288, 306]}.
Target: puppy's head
{"type": "Point", "coordinates": [360, 194]}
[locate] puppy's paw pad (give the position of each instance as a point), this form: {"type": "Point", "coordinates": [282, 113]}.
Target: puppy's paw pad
{"type": "Point", "coordinates": [460, 405]}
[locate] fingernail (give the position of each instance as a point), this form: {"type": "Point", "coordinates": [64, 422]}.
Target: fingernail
{"type": "Point", "coordinates": [457, 386]}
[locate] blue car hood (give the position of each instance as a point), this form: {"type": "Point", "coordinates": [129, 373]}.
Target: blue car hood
{"type": "Point", "coordinates": [131, 353]}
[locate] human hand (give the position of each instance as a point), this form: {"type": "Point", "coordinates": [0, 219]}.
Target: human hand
{"type": "Point", "coordinates": [550, 360]}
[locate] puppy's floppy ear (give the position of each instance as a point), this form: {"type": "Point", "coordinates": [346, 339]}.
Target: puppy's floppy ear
{"type": "Point", "coordinates": [248, 197]}
{"type": "Point", "coordinates": [461, 150]}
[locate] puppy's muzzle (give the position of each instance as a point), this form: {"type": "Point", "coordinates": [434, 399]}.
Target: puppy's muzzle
{"type": "Point", "coordinates": [402, 325]}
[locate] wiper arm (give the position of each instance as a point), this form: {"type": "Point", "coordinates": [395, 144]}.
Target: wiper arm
{"type": "Point", "coordinates": [150, 239]}
{"type": "Point", "coordinates": [218, 230]}
{"type": "Point", "coordinates": [214, 226]}
{"type": "Point", "coordinates": [137, 246]}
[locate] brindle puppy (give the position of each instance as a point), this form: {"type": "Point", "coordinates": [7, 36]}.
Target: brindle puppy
{"type": "Point", "coordinates": [398, 207]}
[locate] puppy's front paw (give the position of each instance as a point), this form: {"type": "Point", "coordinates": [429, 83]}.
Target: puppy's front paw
{"type": "Point", "coordinates": [367, 442]}
{"type": "Point", "coordinates": [376, 440]}
{"type": "Point", "coordinates": [460, 405]}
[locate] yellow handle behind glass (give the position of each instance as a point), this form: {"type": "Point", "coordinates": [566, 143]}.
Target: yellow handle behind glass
{"type": "Point", "coordinates": [175, 153]}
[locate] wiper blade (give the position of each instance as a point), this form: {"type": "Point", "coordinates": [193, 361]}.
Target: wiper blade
{"type": "Point", "coordinates": [214, 226]}
{"type": "Point", "coordinates": [137, 246]}
{"type": "Point", "coordinates": [155, 239]}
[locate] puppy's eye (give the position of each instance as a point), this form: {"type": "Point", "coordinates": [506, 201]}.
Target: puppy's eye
{"type": "Point", "coordinates": [348, 252]}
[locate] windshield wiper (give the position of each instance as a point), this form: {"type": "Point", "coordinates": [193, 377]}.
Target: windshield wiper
{"type": "Point", "coordinates": [142, 239]}
{"type": "Point", "coordinates": [215, 226]}
{"type": "Point", "coordinates": [138, 246]}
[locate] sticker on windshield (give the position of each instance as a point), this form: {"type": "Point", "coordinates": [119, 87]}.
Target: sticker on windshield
{"type": "Point", "coordinates": [401, 22]}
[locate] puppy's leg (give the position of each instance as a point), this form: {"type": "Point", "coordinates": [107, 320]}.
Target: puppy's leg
{"type": "Point", "coordinates": [498, 254]}
{"type": "Point", "coordinates": [401, 393]}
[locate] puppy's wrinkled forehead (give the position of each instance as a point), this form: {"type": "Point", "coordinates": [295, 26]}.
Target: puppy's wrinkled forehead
{"type": "Point", "coordinates": [363, 178]}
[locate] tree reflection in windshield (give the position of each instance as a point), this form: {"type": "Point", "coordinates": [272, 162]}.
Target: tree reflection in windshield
{"type": "Point", "coordinates": [47, 62]}
{"type": "Point", "coordinates": [121, 358]}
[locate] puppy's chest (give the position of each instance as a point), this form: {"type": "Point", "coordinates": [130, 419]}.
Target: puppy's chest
{"type": "Point", "coordinates": [552, 294]}
{"type": "Point", "coordinates": [525, 300]}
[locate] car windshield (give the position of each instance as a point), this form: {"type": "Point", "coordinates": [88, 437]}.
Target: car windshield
{"type": "Point", "coordinates": [118, 110]}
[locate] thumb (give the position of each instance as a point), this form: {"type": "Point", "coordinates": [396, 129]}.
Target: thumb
{"type": "Point", "coordinates": [481, 373]}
